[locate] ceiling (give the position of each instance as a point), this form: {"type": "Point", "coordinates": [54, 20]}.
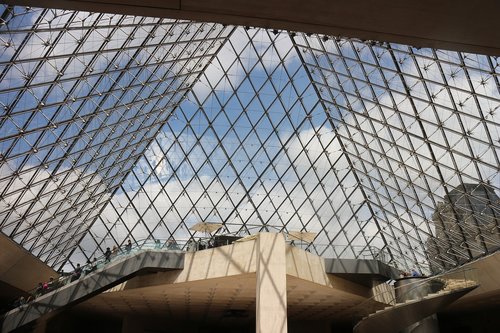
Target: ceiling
{"type": "Point", "coordinates": [425, 23]}
{"type": "Point", "coordinates": [223, 299]}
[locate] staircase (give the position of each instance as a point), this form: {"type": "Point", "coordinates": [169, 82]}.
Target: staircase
{"type": "Point", "coordinates": [393, 319]}
{"type": "Point", "coordinates": [92, 284]}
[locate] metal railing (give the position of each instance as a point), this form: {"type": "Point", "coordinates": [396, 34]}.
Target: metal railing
{"type": "Point", "coordinates": [343, 251]}
{"type": "Point", "coordinates": [117, 253]}
{"type": "Point", "coordinates": [468, 277]}
{"type": "Point", "coordinates": [200, 243]}
{"type": "Point", "coordinates": [99, 263]}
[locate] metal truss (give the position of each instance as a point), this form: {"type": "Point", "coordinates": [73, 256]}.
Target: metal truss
{"type": "Point", "coordinates": [115, 127]}
{"type": "Point", "coordinates": [82, 96]}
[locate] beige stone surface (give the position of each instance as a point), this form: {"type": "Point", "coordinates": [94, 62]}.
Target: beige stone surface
{"type": "Point", "coordinates": [234, 259]}
{"type": "Point", "coordinates": [271, 292]}
{"type": "Point", "coordinates": [224, 261]}
{"type": "Point", "coordinates": [20, 268]}
{"type": "Point", "coordinates": [486, 271]}
{"type": "Point", "coordinates": [383, 292]}
{"type": "Point", "coordinates": [310, 267]}
{"type": "Point", "coordinates": [307, 266]}
{"type": "Point", "coordinates": [293, 283]}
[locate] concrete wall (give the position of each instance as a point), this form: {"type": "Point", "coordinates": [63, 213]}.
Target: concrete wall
{"type": "Point", "coordinates": [236, 259]}
{"type": "Point", "coordinates": [271, 283]}
{"type": "Point", "coordinates": [266, 266]}
{"type": "Point", "coordinates": [19, 268]}
{"type": "Point", "coordinates": [383, 292]}
{"type": "Point", "coordinates": [310, 267]}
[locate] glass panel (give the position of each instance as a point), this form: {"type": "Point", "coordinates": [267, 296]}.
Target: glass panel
{"type": "Point", "coordinates": [115, 127]}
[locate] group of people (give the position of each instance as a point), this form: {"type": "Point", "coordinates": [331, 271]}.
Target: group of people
{"type": "Point", "coordinates": [193, 245]}
{"type": "Point", "coordinates": [413, 273]}
{"type": "Point", "coordinates": [45, 287]}
{"type": "Point", "coordinates": [109, 254]}
{"type": "Point", "coordinates": [79, 271]}
{"type": "Point", "coordinates": [41, 289]}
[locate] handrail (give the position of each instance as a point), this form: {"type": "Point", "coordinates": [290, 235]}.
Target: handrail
{"type": "Point", "coordinates": [139, 262]}
{"type": "Point", "coordinates": [416, 304]}
{"type": "Point", "coordinates": [169, 244]}
{"type": "Point", "coordinates": [102, 261]}
{"type": "Point", "coordinates": [191, 244]}
{"type": "Point", "coordinates": [413, 285]}
{"type": "Point", "coordinates": [343, 251]}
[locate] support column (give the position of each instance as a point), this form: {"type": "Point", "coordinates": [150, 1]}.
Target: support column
{"type": "Point", "coordinates": [408, 289]}
{"type": "Point", "coordinates": [271, 316]}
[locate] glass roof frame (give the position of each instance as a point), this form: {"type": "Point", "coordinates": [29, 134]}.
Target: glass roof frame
{"type": "Point", "coordinates": [115, 127]}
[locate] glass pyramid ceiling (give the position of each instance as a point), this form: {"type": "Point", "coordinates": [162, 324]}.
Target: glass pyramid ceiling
{"type": "Point", "coordinates": [115, 127]}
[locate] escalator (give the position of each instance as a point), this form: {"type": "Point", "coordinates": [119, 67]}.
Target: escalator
{"type": "Point", "coordinates": [94, 283]}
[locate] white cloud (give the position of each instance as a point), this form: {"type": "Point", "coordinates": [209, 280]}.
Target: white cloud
{"type": "Point", "coordinates": [52, 195]}
{"type": "Point", "coordinates": [265, 195]}
{"type": "Point", "coordinates": [238, 47]}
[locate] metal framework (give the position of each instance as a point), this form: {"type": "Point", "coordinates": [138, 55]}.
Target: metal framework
{"type": "Point", "coordinates": [115, 127]}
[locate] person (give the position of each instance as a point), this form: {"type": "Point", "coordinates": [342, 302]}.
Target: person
{"type": "Point", "coordinates": [191, 245]}
{"type": "Point", "coordinates": [93, 266]}
{"type": "Point", "coordinates": [77, 273]}
{"type": "Point", "coordinates": [415, 273]}
{"type": "Point", "coordinates": [51, 285]}
{"type": "Point", "coordinates": [128, 247]}
{"type": "Point", "coordinates": [157, 244]}
{"type": "Point", "coordinates": [404, 274]}
{"type": "Point", "coordinates": [78, 270]}
{"type": "Point", "coordinates": [20, 302]}
{"type": "Point", "coordinates": [201, 245]}
{"type": "Point", "coordinates": [45, 288]}
{"type": "Point", "coordinates": [39, 290]}
{"type": "Point", "coordinates": [211, 243]}
{"type": "Point", "coordinates": [88, 267]}
{"type": "Point", "coordinates": [114, 252]}
{"type": "Point", "coordinates": [172, 245]}
{"type": "Point", "coordinates": [65, 277]}
{"type": "Point", "coordinates": [107, 255]}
